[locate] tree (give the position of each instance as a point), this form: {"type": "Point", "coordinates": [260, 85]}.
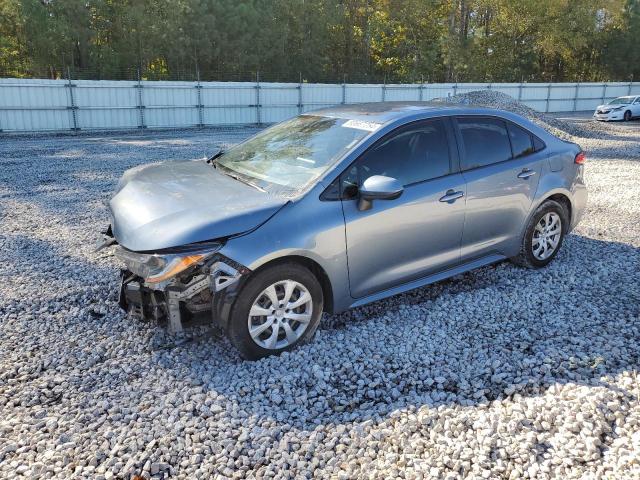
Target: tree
{"type": "Point", "coordinates": [13, 55]}
{"type": "Point", "coordinates": [322, 40]}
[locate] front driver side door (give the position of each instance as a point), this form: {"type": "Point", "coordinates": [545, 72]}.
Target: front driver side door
{"type": "Point", "coordinates": [417, 234]}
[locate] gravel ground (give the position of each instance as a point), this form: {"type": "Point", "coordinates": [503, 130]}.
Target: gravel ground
{"type": "Point", "coordinates": [498, 373]}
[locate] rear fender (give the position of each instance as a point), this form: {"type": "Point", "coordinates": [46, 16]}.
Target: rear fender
{"type": "Point", "coordinates": [552, 183]}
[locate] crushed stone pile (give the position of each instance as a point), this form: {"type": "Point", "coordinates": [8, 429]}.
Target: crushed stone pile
{"type": "Point", "coordinates": [502, 101]}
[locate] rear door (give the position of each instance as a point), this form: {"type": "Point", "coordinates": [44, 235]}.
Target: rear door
{"type": "Point", "coordinates": [501, 163]}
{"type": "Point", "coordinates": [419, 233]}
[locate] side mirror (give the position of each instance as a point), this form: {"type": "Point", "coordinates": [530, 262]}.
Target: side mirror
{"type": "Point", "coordinates": [378, 187]}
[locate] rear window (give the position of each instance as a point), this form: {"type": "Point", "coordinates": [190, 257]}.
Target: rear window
{"type": "Point", "coordinates": [485, 140]}
{"type": "Point", "coordinates": [521, 141]}
{"type": "Point", "coordinates": [538, 144]}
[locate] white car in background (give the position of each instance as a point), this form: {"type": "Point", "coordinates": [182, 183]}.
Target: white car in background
{"type": "Point", "coordinates": [621, 108]}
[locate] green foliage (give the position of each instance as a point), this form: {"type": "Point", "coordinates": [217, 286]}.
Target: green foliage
{"type": "Point", "coordinates": [13, 55]}
{"type": "Point", "coordinates": [323, 40]}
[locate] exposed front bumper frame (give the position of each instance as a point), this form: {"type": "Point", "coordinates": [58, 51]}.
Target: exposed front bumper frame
{"type": "Point", "coordinates": [213, 283]}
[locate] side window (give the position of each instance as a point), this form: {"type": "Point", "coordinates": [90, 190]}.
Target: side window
{"type": "Point", "coordinates": [637, 101]}
{"type": "Point", "coordinates": [538, 144]}
{"type": "Point", "coordinates": [485, 141]}
{"type": "Point", "coordinates": [521, 143]}
{"type": "Point", "coordinates": [411, 154]}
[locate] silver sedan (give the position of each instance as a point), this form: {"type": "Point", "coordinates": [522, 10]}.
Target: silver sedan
{"type": "Point", "coordinates": [338, 208]}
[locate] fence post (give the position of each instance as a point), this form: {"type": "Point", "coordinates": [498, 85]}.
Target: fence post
{"type": "Point", "coordinates": [140, 102]}
{"type": "Point", "coordinates": [257, 87]}
{"type": "Point", "coordinates": [628, 93]}
{"type": "Point", "coordinates": [344, 89]}
{"type": "Point", "coordinates": [604, 92]}
{"type": "Point", "coordinates": [575, 98]}
{"type": "Point", "coordinates": [421, 88]}
{"type": "Point", "coordinates": [384, 89]}
{"type": "Point", "coordinates": [199, 96]}
{"type": "Point", "coordinates": [72, 103]}
{"type": "Point", "coordinates": [300, 95]}
{"type": "Point", "coordinates": [548, 98]}
{"type": "Point", "coordinates": [455, 89]}
{"type": "Point", "coordinates": [520, 87]}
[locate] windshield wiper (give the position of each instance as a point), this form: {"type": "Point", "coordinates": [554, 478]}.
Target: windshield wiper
{"type": "Point", "coordinates": [227, 172]}
{"type": "Point", "coordinates": [243, 180]}
{"type": "Point", "coordinates": [218, 154]}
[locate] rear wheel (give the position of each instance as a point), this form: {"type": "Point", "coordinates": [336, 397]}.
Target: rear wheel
{"type": "Point", "coordinates": [627, 116]}
{"type": "Point", "coordinates": [543, 236]}
{"type": "Point", "coordinates": [278, 309]}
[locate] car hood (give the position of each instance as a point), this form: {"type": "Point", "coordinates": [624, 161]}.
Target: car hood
{"type": "Point", "coordinates": [171, 204]}
{"type": "Point", "coordinates": [610, 107]}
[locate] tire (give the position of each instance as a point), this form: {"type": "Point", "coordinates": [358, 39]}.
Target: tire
{"type": "Point", "coordinates": [532, 235]}
{"type": "Point", "coordinates": [256, 297]}
{"type": "Point", "coordinates": [627, 116]}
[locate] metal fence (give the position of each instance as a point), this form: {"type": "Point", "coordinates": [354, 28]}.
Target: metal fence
{"type": "Point", "coordinates": [28, 105]}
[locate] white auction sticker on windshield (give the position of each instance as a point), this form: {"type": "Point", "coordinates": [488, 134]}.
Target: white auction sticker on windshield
{"type": "Point", "coordinates": [362, 125]}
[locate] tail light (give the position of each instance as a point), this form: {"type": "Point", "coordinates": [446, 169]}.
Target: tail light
{"type": "Point", "coordinates": [580, 158]}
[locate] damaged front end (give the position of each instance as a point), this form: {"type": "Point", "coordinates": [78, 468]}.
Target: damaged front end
{"type": "Point", "coordinates": [164, 285]}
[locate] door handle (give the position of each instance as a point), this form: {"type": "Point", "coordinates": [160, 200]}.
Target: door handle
{"type": "Point", "coordinates": [526, 173]}
{"type": "Point", "coordinates": [451, 196]}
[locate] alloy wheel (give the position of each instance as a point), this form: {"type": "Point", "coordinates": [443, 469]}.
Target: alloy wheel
{"type": "Point", "coordinates": [280, 314]}
{"type": "Point", "coordinates": [546, 236]}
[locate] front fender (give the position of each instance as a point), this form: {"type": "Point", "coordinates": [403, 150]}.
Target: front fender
{"type": "Point", "coordinates": [308, 228]}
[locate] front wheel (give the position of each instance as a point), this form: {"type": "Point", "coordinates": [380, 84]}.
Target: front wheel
{"type": "Point", "coordinates": [627, 116]}
{"type": "Point", "coordinates": [543, 236]}
{"type": "Point", "coordinates": [278, 309]}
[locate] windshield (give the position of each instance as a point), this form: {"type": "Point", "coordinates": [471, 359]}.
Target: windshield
{"type": "Point", "coordinates": [621, 101]}
{"type": "Point", "coordinates": [289, 156]}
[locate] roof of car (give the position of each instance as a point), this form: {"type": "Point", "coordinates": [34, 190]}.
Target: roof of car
{"type": "Point", "coordinates": [383, 112]}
